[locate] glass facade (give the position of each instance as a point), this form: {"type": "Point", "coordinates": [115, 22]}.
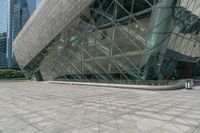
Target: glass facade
{"type": "Point", "coordinates": [3, 44]}
{"type": "Point", "coordinates": [13, 16]}
{"type": "Point", "coordinates": [123, 41]}
{"type": "Point", "coordinates": [31, 5]}
{"type": "Point", "coordinates": [38, 2]}
{"type": "Point", "coordinates": [3, 32]}
{"type": "Point", "coordinates": [20, 14]}
{"type": "Point", "coordinates": [3, 16]}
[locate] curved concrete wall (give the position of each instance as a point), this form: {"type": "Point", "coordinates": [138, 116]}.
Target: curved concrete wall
{"type": "Point", "coordinates": [46, 22]}
{"type": "Point", "coordinates": [178, 85]}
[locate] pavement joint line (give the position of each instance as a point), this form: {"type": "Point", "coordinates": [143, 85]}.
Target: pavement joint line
{"type": "Point", "coordinates": [89, 109]}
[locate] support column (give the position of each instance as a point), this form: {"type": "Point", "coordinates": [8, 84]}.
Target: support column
{"type": "Point", "coordinates": [161, 25]}
{"type": "Point", "coordinates": [38, 76]}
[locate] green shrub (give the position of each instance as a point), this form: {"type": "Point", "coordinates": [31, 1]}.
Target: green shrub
{"type": "Point", "coordinates": [11, 74]}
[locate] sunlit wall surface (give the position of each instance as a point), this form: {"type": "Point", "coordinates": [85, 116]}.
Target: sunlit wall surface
{"type": "Point", "coordinates": [123, 41]}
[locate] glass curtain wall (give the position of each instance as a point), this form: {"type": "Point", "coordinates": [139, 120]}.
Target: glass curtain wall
{"type": "Point", "coordinates": [119, 41]}
{"type": "Point", "coordinates": [105, 43]}
{"type": "Point", "coordinates": [3, 32]}
{"type": "Point", "coordinates": [20, 15]}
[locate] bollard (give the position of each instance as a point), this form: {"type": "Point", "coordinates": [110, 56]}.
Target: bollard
{"type": "Point", "coordinates": [189, 84]}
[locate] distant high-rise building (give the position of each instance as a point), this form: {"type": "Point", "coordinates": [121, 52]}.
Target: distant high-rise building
{"type": "Point", "coordinates": [3, 31]}
{"type": "Point", "coordinates": [20, 14]}
{"type": "Point", "coordinates": [31, 5]}
{"type": "Point", "coordinates": [38, 2]}
{"type": "Point", "coordinates": [13, 16]}
{"type": "Point", "coordinates": [3, 43]}
{"type": "Point", "coordinates": [3, 16]}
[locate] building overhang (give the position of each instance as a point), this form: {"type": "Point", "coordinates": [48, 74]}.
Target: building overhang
{"type": "Point", "coordinates": [50, 18]}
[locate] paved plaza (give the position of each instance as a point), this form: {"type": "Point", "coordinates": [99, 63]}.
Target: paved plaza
{"type": "Point", "coordinates": [40, 107]}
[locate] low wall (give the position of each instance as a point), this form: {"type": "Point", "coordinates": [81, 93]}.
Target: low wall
{"type": "Point", "coordinates": [196, 82]}
{"type": "Point", "coordinates": [179, 85]}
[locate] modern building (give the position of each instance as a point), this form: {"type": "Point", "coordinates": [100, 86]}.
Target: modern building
{"type": "Point", "coordinates": [111, 41]}
{"type": "Point", "coordinates": [13, 16]}
{"type": "Point", "coordinates": [3, 32]}
{"type": "Point", "coordinates": [32, 4]}
{"type": "Point", "coordinates": [20, 14]}
{"type": "Point", "coordinates": [3, 42]}
{"type": "Point", "coordinates": [37, 2]}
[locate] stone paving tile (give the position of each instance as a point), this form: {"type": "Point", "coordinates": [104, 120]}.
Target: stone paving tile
{"type": "Point", "coordinates": [40, 107]}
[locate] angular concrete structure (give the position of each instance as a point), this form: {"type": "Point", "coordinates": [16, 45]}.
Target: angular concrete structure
{"type": "Point", "coordinates": [110, 41]}
{"type": "Point", "coordinates": [48, 21]}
